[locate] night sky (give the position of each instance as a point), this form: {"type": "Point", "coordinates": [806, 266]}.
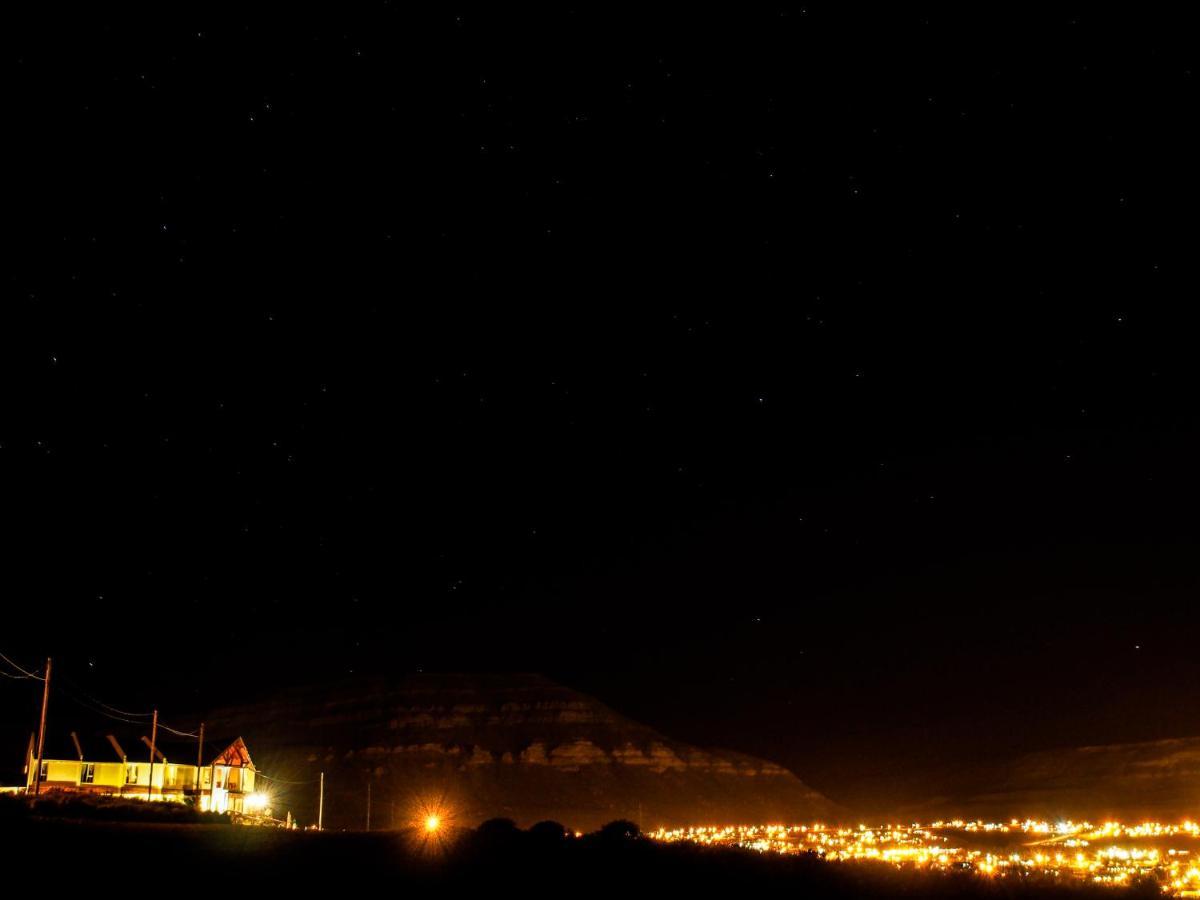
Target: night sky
{"type": "Point", "coordinates": [815, 382]}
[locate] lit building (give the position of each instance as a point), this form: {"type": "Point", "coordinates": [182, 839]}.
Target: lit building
{"type": "Point", "coordinates": [226, 784]}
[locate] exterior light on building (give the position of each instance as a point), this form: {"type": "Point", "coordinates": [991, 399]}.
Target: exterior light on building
{"type": "Point", "coordinates": [257, 802]}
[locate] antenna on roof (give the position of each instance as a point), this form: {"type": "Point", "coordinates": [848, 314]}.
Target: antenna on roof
{"type": "Point", "coordinates": [112, 739]}
{"type": "Point", "coordinates": [158, 754]}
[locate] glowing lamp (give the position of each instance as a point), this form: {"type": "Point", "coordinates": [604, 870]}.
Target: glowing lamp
{"type": "Point", "coordinates": [256, 801]}
{"type": "Point", "coordinates": [432, 823]}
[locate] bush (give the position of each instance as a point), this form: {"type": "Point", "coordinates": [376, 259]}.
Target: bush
{"type": "Point", "coordinates": [620, 830]}
{"type": "Point", "coordinates": [548, 832]}
{"type": "Point", "coordinates": [118, 809]}
{"type": "Point", "coordinates": [497, 834]}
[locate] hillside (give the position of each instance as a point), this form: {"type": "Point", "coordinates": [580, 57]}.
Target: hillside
{"type": "Point", "coordinates": [518, 746]}
{"type": "Point", "coordinates": [1130, 782]}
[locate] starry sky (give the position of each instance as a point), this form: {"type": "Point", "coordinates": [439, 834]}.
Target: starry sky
{"type": "Point", "coordinates": [802, 380]}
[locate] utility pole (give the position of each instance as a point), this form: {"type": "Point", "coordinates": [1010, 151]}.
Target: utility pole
{"type": "Point", "coordinates": [368, 804]}
{"type": "Point", "coordinates": [30, 755]}
{"type": "Point", "coordinates": [321, 805]}
{"type": "Point", "coordinates": [37, 773]}
{"type": "Point", "coordinates": [199, 765]}
{"type": "Point", "coordinates": [153, 738]}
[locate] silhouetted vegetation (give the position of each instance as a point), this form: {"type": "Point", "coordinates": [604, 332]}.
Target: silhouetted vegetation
{"type": "Point", "coordinates": [104, 809]}
{"type": "Point", "coordinates": [620, 830]}
{"type": "Point", "coordinates": [548, 832]}
{"type": "Point", "coordinates": [498, 857]}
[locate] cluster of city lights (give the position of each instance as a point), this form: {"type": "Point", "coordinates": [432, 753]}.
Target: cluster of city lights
{"type": "Point", "coordinates": [1111, 853]}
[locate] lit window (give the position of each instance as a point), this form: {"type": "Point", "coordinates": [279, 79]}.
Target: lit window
{"type": "Point", "coordinates": [131, 774]}
{"type": "Point", "coordinates": [44, 772]}
{"type": "Point", "coordinates": [87, 773]}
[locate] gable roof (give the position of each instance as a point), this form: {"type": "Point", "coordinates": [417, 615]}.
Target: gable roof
{"type": "Point", "coordinates": [235, 754]}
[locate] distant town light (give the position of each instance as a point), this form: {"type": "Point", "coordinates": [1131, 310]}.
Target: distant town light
{"type": "Point", "coordinates": [954, 845]}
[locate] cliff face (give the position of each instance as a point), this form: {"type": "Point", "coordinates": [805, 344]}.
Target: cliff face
{"type": "Point", "coordinates": [518, 746]}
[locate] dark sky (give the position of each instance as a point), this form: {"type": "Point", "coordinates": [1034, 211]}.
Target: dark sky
{"type": "Point", "coordinates": [819, 382]}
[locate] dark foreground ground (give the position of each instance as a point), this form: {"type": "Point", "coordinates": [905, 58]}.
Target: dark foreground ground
{"type": "Point", "coordinates": [202, 859]}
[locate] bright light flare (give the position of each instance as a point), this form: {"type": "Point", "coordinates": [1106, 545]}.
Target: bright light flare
{"type": "Point", "coordinates": [257, 802]}
{"type": "Point", "coordinates": [431, 829]}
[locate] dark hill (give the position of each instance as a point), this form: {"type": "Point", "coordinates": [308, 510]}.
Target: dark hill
{"type": "Point", "coordinates": [1130, 782]}
{"type": "Point", "coordinates": [516, 746]}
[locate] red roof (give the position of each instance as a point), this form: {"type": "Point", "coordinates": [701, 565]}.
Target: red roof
{"type": "Point", "coordinates": [235, 754]}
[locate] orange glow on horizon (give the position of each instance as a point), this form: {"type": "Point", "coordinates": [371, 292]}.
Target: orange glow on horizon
{"type": "Point", "coordinates": [1111, 854]}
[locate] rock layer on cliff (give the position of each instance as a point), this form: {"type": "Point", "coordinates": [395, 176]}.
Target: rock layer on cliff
{"type": "Point", "coordinates": [518, 746]}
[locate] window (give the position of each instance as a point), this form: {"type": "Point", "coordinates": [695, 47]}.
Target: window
{"type": "Point", "coordinates": [87, 773]}
{"type": "Point", "coordinates": [172, 775]}
{"type": "Point", "coordinates": [131, 774]}
{"type": "Point", "coordinates": [44, 772]}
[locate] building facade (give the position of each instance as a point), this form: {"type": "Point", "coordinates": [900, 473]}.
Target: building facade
{"type": "Point", "coordinates": [225, 785]}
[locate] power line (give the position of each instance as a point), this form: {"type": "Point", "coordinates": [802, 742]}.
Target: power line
{"type": "Point", "coordinates": [88, 706]}
{"type": "Point", "coordinates": [92, 704]}
{"type": "Point", "coordinates": [121, 711]}
{"type": "Point", "coordinates": [175, 731]}
{"type": "Point", "coordinates": [86, 700]}
{"type": "Point", "coordinates": [108, 706]}
{"type": "Point", "coordinates": [258, 774]}
{"type": "Point", "coordinates": [21, 669]}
